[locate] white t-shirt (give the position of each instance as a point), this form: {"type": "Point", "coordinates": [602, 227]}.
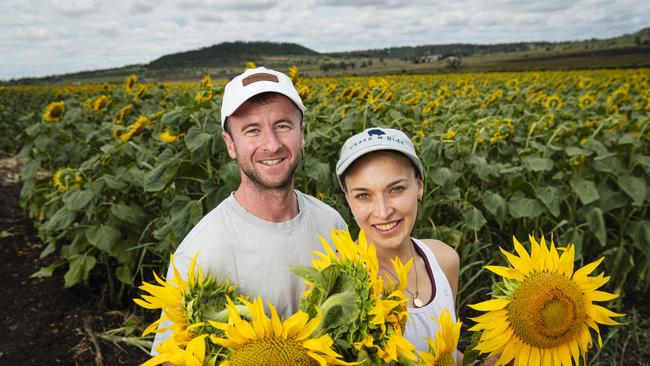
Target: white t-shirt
{"type": "Point", "coordinates": [255, 254]}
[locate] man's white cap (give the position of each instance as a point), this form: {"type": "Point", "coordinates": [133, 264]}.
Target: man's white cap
{"type": "Point", "coordinates": [253, 82]}
{"type": "Point", "coordinates": [375, 139]}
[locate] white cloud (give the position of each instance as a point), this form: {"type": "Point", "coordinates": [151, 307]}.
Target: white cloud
{"type": "Point", "coordinates": [41, 37]}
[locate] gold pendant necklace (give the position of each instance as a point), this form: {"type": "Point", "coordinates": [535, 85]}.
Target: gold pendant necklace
{"type": "Point", "coordinates": [416, 300]}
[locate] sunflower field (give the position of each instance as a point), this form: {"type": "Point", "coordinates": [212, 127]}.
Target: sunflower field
{"type": "Point", "coordinates": [116, 175]}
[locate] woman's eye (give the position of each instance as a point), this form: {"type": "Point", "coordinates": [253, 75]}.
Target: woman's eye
{"type": "Point", "coordinates": [362, 196]}
{"type": "Point", "coordinates": [397, 189]}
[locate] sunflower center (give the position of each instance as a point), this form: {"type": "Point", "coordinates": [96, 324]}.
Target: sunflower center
{"type": "Point", "coordinates": [445, 359]}
{"type": "Point", "coordinates": [546, 310]}
{"type": "Point", "coordinates": [272, 351]}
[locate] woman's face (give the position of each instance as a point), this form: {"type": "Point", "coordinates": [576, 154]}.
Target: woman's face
{"type": "Point", "coordinates": [382, 190]}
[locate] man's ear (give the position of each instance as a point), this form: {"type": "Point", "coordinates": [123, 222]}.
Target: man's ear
{"type": "Point", "coordinates": [230, 145]}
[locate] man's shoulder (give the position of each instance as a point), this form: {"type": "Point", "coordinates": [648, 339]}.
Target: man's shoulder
{"type": "Point", "coordinates": [322, 211]}
{"type": "Point", "coordinates": [315, 205]}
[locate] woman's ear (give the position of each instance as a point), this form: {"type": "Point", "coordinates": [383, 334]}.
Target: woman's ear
{"type": "Point", "coordinates": [420, 189]}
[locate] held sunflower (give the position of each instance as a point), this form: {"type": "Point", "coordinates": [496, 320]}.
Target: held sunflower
{"type": "Point", "coordinates": [542, 311]}
{"type": "Point", "coordinates": [365, 318]}
{"type": "Point", "coordinates": [441, 350]}
{"type": "Point", "coordinates": [272, 342]}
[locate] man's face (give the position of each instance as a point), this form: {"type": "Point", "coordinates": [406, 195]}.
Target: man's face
{"type": "Point", "coordinates": [266, 139]}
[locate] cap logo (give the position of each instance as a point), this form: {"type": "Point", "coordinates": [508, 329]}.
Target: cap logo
{"type": "Point", "coordinates": [260, 76]}
{"type": "Point", "coordinates": [376, 132]}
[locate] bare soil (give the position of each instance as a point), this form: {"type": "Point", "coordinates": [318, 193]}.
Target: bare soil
{"type": "Point", "coordinates": [41, 321]}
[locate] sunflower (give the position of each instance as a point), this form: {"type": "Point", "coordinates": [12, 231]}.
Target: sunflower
{"type": "Point", "coordinates": [54, 112]}
{"type": "Point", "coordinates": [169, 351]}
{"type": "Point", "coordinates": [100, 103]}
{"type": "Point", "coordinates": [450, 134]}
{"type": "Point", "coordinates": [169, 137]}
{"type": "Point", "coordinates": [65, 179]}
{"type": "Point", "coordinates": [203, 96]}
{"type": "Point", "coordinates": [365, 319]}
{"type": "Point", "coordinates": [131, 81]}
{"type": "Point", "coordinates": [133, 129]}
{"type": "Point", "coordinates": [206, 82]}
{"type": "Point", "coordinates": [249, 65]}
{"type": "Point", "coordinates": [553, 102]}
{"type": "Point", "coordinates": [441, 350]}
{"type": "Point", "coordinates": [270, 341]}
{"type": "Point", "coordinates": [542, 311]}
{"type": "Point", "coordinates": [586, 101]}
{"type": "Point", "coordinates": [124, 112]}
{"type": "Point", "coordinates": [187, 305]}
{"type": "Point", "coordinates": [293, 74]}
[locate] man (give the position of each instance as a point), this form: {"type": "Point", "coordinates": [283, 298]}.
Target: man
{"type": "Point", "coordinates": [265, 226]}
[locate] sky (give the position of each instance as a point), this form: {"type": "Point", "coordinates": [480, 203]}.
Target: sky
{"type": "Point", "coordinates": [39, 38]}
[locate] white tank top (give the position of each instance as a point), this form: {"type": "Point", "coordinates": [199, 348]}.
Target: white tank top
{"type": "Point", "coordinates": [420, 325]}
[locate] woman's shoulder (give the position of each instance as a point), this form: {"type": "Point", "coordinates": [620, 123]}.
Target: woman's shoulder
{"type": "Point", "coordinates": [445, 254]}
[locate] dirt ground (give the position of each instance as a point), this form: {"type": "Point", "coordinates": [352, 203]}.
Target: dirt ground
{"type": "Point", "coordinates": [41, 322]}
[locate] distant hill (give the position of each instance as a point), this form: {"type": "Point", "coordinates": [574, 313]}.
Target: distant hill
{"type": "Point", "coordinates": [225, 60]}
{"type": "Point", "coordinates": [229, 54]}
{"type": "Point", "coordinates": [640, 38]}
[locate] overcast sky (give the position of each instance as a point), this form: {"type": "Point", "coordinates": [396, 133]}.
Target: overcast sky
{"type": "Point", "coordinates": [39, 38]}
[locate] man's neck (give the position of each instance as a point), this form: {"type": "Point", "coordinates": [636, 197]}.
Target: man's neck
{"type": "Point", "coordinates": [271, 205]}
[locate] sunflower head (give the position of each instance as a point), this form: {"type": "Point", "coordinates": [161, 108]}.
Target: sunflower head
{"type": "Point", "coordinates": [100, 103]}
{"type": "Point", "coordinates": [542, 309]}
{"type": "Point", "coordinates": [364, 317]}
{"type": "Point", "coordinates": [441, 349]}
{"type": "Point", "coordinates": [130, 82]}
{"type": "Point", "coordinates": [54, 112]}
{"type": "Point", "coordinates": [270, 341]}
{"type": "Point", "coordinates": [188, 302]}
{"type": "Point", "coordinates": [169, 137]}
{"type": "Point", "coordinates": [66, 178]}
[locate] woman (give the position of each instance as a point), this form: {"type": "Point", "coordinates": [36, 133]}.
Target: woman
{"type": "Point", "coordinates": [381, 176]}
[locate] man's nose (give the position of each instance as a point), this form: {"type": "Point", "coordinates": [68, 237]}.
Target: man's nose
{"type": "Point", "coordinates": [271, 142]}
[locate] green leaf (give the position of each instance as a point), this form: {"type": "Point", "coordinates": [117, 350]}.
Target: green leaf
{"type": "Point", "coordinates": [310, 274]}
{"type": "Point", "coordinates": [635, 187]}
{"type": "Point", "coordinates": [594, 218]}
{"type": "Point", "coordinates": [196, 139]}
{"type": "Point", "coordinates": [49, 249]}
{"type": "Point", "coordinates": [496, 205]}
{"type": "Point", "coordinates": [123, 274]}
{"type": "Point", "coordinates": [551, 197]}
{"type": "Point", "coordinates": [6, 234]}
{"type": "Point", "coordinates": [524, 207]}
{"type": "Point", "coordinates": [47, 271]}
{"type": "Point", "coordinates": [128, 213]}
{"type": "Point", "coordinates": [639, 231]}
{"type": "Point", "coordinates": [317, 170]}
{"type": "Point", "coordinates": [114, 182]}
{"type": "Point", "coordinates": [537, 164]}
{"type": "Point", "coordinates": [586, 190]}
{"type": "Point", "coordinates": [80, 267]}
{"type": "Point", "coordinates": [474, 219]}
{"type": "Point", "coordinates": [104, 237]}
{"type": "Point", "coordinates": [610, 199]}
{"type": "Point", "coordinates": [156, 179]}
{"type": "Point", "coordinates": [175, 117]}
{"type": "Point", "coordinates": [77, 199]}
{"type": "Point", "coordinates": [60, 220]}
{"type": "Point", "coordinates": [573, 151]}
{"type": "Point", "coordinates": [441, 176]}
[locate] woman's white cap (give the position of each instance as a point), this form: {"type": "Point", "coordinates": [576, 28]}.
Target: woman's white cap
{"type": "Point", "coordinates": [253, 82]}
{"type": "Point", "coordinates": [374, 139]}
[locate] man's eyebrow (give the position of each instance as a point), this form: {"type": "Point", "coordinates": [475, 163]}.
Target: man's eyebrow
{"type": "Point", "coordinates": [248, 125]}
